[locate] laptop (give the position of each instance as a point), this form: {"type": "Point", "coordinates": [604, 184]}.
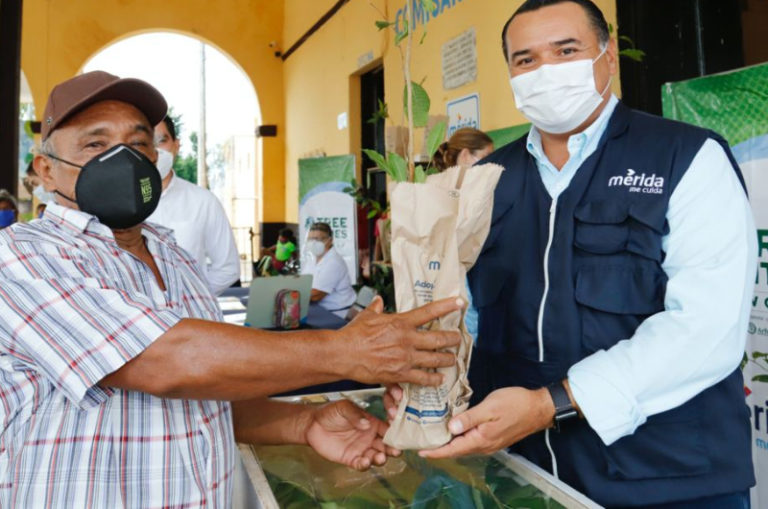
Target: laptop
{"type": "Point", "coordinates": [261, 298]}
{"type": "Point", "coordinates": [364, 297]}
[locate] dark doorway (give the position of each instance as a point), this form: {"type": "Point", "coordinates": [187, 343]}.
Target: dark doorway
{"type": "Point", "coordinates": [682, 39]}
{"type": "Point", "coordinates": [10, 73]}
{"type": "Point", "coordinates": [372, 137]}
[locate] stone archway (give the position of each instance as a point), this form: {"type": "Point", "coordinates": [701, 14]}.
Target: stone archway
{"type": "Point", "coordinates": [58, 37]}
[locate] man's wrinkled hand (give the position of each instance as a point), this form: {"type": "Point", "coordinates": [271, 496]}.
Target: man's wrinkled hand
{"type": "Point", "coordinates": [390, 348]}
{"type": "Point", "coordinates": [503, 418]}
{"type": "Point", "coordinates": [344, 433]}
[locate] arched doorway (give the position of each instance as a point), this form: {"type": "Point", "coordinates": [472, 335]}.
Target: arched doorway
{"type": "Point", "coordinates": [174, 63]}
{"type": "Point", "coordinates": [26, 148]}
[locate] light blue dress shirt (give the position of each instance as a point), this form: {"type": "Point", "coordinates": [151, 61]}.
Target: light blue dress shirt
{"type": "Point", "coordinates": [710, 259]}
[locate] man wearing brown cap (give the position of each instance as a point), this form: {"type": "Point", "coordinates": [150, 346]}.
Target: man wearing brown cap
{"type": "Point", "coordinates": [115, 375]}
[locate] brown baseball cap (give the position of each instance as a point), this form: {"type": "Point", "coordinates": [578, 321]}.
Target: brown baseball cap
{"type": "Point", "coordinates": [78, 93]}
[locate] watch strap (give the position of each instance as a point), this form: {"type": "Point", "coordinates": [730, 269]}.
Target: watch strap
{"type": "Point", "coordinates": [564, 410]}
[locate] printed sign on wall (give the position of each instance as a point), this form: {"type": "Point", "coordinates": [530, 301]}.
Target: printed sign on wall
{"type": "Point", "coordinates": [459, 60]}
{"type": "Point", "coordinates": [463, 112]}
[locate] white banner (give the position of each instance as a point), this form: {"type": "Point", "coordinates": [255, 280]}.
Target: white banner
{"type": "Point", "coordinates": [339, 211]}
{"type": "Point", "coordinates": [753, 159]}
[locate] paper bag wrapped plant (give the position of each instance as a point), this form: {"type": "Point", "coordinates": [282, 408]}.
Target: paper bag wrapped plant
{"type": "Point", "coordinates": [439, 223]}
{"type": "Point", "coordinates": [438, 230]}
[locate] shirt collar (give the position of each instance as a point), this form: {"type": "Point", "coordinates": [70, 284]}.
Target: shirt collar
{"type": "Point", "coordinates": [171, 184]}
{"type": "Point", "coordinates": [578, 141]}
{"type": "Point", "coordinates": [73, 219]}
{"type": "Point", "coordinates": [82, 221]}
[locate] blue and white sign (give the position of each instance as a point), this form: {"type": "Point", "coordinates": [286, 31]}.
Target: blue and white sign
{"type": "Point", "coordinates": [463, 112]}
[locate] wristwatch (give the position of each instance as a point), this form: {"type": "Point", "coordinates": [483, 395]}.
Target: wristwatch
{"type": "Point", "coordinates": [563, 408]}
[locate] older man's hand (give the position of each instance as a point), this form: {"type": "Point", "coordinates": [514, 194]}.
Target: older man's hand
{"type": "Point", "coordinates": [344, 433]}
{"type": "Point", "coordinates": [390, 348]}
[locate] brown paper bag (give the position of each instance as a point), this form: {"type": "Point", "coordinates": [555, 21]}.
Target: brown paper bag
{"type": "Point", "coordinates": [438, 230]}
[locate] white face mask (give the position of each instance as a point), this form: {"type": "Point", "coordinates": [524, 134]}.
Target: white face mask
{"type": "Point", "coordinates": [164, 162]}
{"type": "Point", "coordinates": [316, 247]}
{"type": "Point", "coordinates": [42, 195]}
{"type": "Point", "coordinates": [558, 98]}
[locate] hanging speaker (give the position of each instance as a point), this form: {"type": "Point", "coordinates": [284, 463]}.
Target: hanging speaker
{"type": "Point", "coordinates": [266, 131]}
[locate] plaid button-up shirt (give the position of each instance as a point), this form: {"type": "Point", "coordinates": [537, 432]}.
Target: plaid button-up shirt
{"type": "Point", "coordinates": [74, 308]}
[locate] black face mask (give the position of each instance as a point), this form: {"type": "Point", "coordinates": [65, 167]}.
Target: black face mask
{"type": "Point", "coordinates": [120, 186]}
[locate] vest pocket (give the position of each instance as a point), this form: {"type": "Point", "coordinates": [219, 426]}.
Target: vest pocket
{"type": "Point", "coordinates": [660, 448]}
{"type": "Point", "coordinates": [615, 299]}
{"type": "Point", "coordinates": [605, 228]}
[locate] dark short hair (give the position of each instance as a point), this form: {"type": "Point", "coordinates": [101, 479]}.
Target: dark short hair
{"type": "Point", "coordinates": [171, 126]}
{"type": "Point", "coordinates": [594, 15]}
{"type": "Point", "coordinates": [322, 227]}
{"type": "Point", "coordinates": [7, 197]}
{"type": "Point", "coordinates": [287, 233]}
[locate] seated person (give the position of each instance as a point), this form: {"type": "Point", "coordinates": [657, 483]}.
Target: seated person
{"type": "Point", "coordinates": [275, 258]}
{"type": "Point", "coordinates": [331, 287]}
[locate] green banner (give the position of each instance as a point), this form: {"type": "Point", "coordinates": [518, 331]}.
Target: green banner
{"type": "Point", "coordinates": [322, 170]}
{"type": "Point", "coordinates": [507, 135]}
{"type": "Point", "coordinates": [734, 104]}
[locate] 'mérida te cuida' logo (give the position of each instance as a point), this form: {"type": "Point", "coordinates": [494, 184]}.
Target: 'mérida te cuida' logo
{"type": "Point", "coordinates": [638, 182]}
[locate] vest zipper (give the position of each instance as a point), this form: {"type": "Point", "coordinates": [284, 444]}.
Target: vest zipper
{"type": "Point", "coordinates": [540, 324]}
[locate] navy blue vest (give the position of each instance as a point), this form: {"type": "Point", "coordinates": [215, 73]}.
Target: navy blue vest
{"type": "Point", "coordinates": [605, 278]}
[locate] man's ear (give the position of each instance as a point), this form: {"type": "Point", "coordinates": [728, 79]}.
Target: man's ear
{"type": "Point", "coordinates": [612, 55]}
{"type": "Point", "coordinates": [44, 168]}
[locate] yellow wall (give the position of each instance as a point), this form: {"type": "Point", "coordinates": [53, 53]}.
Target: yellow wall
{"type": "Point", "coordinates": [317, 80]}
{"type": "Point", "coordinates": [59, 36]}
{"type": "Point", "coordinates": [320, 76]}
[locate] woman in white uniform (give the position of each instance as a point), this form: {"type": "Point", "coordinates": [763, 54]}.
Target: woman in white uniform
{"type": "Point", "coordinates": [331, 287]}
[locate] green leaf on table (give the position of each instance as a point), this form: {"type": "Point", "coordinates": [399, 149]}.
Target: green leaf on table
{"type": "Point", "coordinates": [760, 378]}
{"type": "Point", "coordinates": [423, 36]}
{"type": "Point", "coordinates": [399, 167]}
{"type": "Point", "coordinates": [382, 24]}
{"type": "Point", "coordinates": [436, 137]}
{"type": "Point", "coordinates": [421, 104]}
{"type": "Point", "coordinates": [757, 355]}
